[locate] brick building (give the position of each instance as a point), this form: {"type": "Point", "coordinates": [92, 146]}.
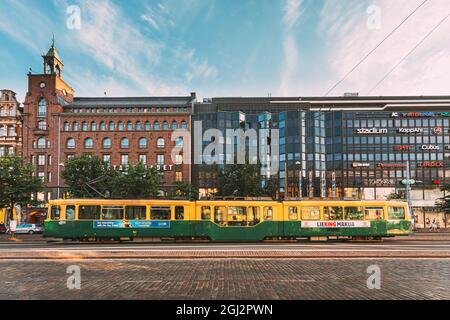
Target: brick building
{"type": "Point", "coordinates": [10, 124]}
{"type": "Point", "coordinates": [121, 131]}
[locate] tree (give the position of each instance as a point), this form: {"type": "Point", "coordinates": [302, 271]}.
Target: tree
{"type": "Point", "coordinates": [81, 174]}
{"type": "Point", "coordinates": [138, 182]}
{"type": "Point", "coordinates": [240, 180]}
{"type": "Point", "coordinates": [17, 183]}
{"type": "Point", "coordinates": [444, 203]}
{"type": "Point", "coordinates": [185, 190]}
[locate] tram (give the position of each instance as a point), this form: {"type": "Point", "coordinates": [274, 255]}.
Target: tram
{"type": "Point", "coordinates": [240, 221]}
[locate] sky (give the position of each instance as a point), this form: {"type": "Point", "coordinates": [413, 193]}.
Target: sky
{"type": "Point", "coordinates": [221, 48]}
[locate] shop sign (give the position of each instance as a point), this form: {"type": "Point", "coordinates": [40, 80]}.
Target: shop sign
{"type": "Point", "coordinates": [382, 182]}
{"type": "Point", "coordinates": [391, 165]}
{"type": "Point", "coordinates": [419, 114]}
{"type": "Point", "coordinates": [437, 164]}
{"type": "Point", "coordinates": [402, 148]}
{"type": "Point", "coordinates": [335, 224]}
{"type": "Point", "coordinates": [410, 130]}
{"type": "Point", "coordinates": [437, 130]}
{"type": "Point", "coordinates": [360, 165]}
{"type": "Point", "coordinates": [371, 131]}
{"type": "Point", "coordinates": [430, 147]}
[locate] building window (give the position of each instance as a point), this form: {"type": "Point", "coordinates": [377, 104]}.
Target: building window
{"type": "Point", "coordinates": [107, 159]}
{"type": "Point", "coordinates": [71, 143]}
{"type": "Point", "coordinates": [41, 143]}
{"type": "Point", "coordinates": [156, 126]}
{"type": "Point", "coordinates": [106, 143]}
{"type": "Point", "coordinates": [143, 158]}
{"type": "Point", "coordinates": [75, 126]}
{"type": "Point", "coordinates": [49, 179]}
{"type": "Point", "coordinates": [111, 126]}
{"type": "Point", "coordinates": [42, 125]}
{"type": "Point", "coordinates": [94, 126]}
{"type": "Point", "coordinates": [142, 143]}
{"type": "Point", "coordinates": [84, 126]}
{"type": "Point", "coordinates": [165, 125]}
{"type": "Point", "coordinates": [124, 143]}
{"type": "Point", "coordinates": [70, 157]}
{"type": "Point", "coordinates": [88, 143]}
{"type": "Point", "coordinates": [183, 125]}
{"type": "Point", "coordinates": [174, 125]}
{"type": "Point", "coordinates": [42, 176]}
{"type": "Point", "coordinates": [12, 131]}
{"type": "Point", "coordinates": [102, 126]}
{"type": "Point", "coordinates": [178, 159]}
{"type": "Point", "coordinates": [41, 160]}
{"type": "Point", "coordinates": [124, 160]}
{"type": "Point", "coordinates": [147, 126]}
{"type": "Point", "coordinates": [2, 151]}
{"type": "Point", "coordinates": [160, 143]}
{"type": "Point", "coordinates": [42, 108]}
{"type": "Point", "coordinates": [160, 159]}
{"type": "Point", "coordinates": [138, 126]}
{"type": "Point", "coordinates": [120, 126]}
{"type": "Point", "coordinates": [178, 176]}
{"type": "Point", "coordinates": [49, 160]}
{"type": "Point", "coordinates": [129, 126]}
{"type": "Point", "coordinates": [66, 126]}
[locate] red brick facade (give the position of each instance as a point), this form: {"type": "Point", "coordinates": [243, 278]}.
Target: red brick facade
{"type": "Point", "coordinates": [57, 126]}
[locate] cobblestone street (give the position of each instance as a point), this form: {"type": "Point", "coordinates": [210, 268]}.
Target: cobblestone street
{"type": "Point", "coordinates": [226, 279]}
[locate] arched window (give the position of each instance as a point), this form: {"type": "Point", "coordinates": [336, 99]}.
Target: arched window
{"type": "Point", "coordinates": [107, 143]}
{"type": "Point", "coordinates": [42, 108]}
{"type": "Point", "coordinates": [183, 125]}
{"type": "Point", "coordinates": [88, 143]}
{"type": "Point", "coordinates": [138, 126]}
{"type": "Point", "coordinates": [94, 126]}
{"type": "Point", "coordinates": [156, 126]}
{"type": "Point", "coordinates": [75, 126]}
{"type": "Point", "coordinates": [147, 126]}
{"type": "Point", "coordinates": [41, 143]}
{"type": "Point", "coordinates": [160, 143]}
{"type": "Point", "coordinates": [174, 125]}
{"type": "Point", "coordinates": [84, 126]}
{"type": "Point", "coordinates": [66, 126]}
{"type": "Point", "coordinates": [102, 126]}
{"type": "Point", "coordinates": [125, 143]}
{"type": "Point", "coordinates": [142, 143]}
{"type": "Point", "coordinates": [71, 143]}
{"type": "Point", "coordinates": [120, 126]}
{"type": "Point", "coordinates": [165, 125]}
{"type": "Point", "coordinates": [129, 126]}
{"type": "Point", "coordinates": [111, 126]}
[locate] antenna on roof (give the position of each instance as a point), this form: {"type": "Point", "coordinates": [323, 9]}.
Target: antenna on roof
{"type": "Point", "coordinates": [105, 93]}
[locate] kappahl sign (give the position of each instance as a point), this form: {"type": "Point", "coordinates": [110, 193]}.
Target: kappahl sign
{"type": "Point", "coordinates": [335, 224]}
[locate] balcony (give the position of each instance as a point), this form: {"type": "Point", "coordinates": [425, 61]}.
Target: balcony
{"type": "Point", "coordinates": [41, 130]}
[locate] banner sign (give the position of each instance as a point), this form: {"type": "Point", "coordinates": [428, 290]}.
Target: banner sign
{"type": "Point", "coordinates": [335, 224]}
{"type": "Point", "coordinates": [150, 224]}
{"type": "Point", "coordinates": [106, 224]}
{"type": "Point", "coordinates": [113, 224]}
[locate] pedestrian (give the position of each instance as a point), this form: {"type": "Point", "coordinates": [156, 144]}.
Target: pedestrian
{"type": "Point", "coordinates": [12, 229]}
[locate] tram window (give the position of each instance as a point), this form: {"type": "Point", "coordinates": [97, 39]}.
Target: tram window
{"type": "Point", "coordinates": [268, 213]}
{"type": "Point", "coordinates": [70, 213]}
{"type": "Point", "coordinates": [179, 213]}
{"type": "Point", "coordinates": [354, 213]}
{"type": "Point", "coordinates": [112, 213]}
{"type": "Point", "coordinates": [310, 213]}
{"type": "Point", "coordinates": [293, 213]}
{"type": "Point", "coordinates": [253, 216]}
{"type": "Point", "coordinates": [374, 213]}
{"type": "Point", "coordinates": [220, 216]}
{"type": "Point", "coordinates": [56, 212]}
{"type": "Point", "coordinates": [396, 213]}
{"type": "Point", "coordinates": [237, 216]}
{"type": "Point", "coordinates": [160, 213]}
{"type": "Point", "coordinates": [135, 213]}
{"type": "Point", "coordinates": [206, 213]}
{"type": "Point", "coordinates": [333, 213]}
{"type": "Point", "coordinates": [88, 212]}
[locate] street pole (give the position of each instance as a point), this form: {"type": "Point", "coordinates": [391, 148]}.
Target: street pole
{"type": "Point", "coordinates": [59, 153]}
{"type": "Point", "coordinates": [299, 180]}
{"type": "Point", "coordinates": [408, 190]}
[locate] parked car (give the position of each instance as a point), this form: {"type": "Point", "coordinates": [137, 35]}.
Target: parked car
{"type": "Point", "coordinates": [2, 228]}
{"type": "Point", "coordinates": [29, 228]}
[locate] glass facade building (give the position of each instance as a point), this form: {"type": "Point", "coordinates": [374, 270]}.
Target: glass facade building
{"type": "Point", "coordinates": [347, 148]}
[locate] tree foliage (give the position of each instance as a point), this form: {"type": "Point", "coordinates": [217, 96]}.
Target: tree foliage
{"type": "Point", "coordinates": [444, 203]}
{"type": "Point", "coordinates": [17, 183]}
{"type": "Point", "coordinates": [240, 180]}
{"type": "Point", "coordinates": [185, 190]}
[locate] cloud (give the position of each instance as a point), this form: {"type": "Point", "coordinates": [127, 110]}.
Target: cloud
{"type": "Point", "coordinates": [292, 12]}
{"type": "Point", "coordinates": [158, 17]}
{"type": "Point", "coordinates": [427, 71]}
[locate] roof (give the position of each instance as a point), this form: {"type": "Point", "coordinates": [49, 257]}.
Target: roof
{"type": "Point", "coordinates": [130, 101]}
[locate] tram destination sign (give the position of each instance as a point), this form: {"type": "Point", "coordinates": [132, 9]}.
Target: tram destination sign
{"type": "Point", "coordinates": [335, 224]}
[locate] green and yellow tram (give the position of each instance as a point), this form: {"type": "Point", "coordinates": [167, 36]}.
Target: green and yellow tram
{"type": "Point", "coordinates": [225, 220]}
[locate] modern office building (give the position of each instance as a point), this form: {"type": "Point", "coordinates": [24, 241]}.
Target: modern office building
{"type": "Point", "coordinates": [121, 131]}
{"type": "Point", "coordinates": [345, 147]}
{"type": "Point", "coordinates": [10, 124]}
